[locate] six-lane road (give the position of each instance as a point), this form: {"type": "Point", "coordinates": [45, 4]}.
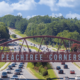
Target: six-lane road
{"type": "Point", "coordinates": [25, 74]}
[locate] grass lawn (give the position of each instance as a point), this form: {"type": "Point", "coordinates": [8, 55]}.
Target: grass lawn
{"type": "Point", "coordinates": [38, 75]}
{"type": "Point", "coordinates": [30, 66]}
{"type": "Point", "coordinates": [2, 63]}
{"type": "Point", "coordinates": [7, 65]}
{"type": "Point", "coordinates": [76, 64]}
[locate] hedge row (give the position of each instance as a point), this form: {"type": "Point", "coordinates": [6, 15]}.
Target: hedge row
{"type": "Point", "coordinates": [42, 67]}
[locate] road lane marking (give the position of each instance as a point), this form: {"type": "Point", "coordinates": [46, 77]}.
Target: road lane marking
{"type": "Point", "coordinates": [76, 66]}
{"type": "Point", "coordinates": [23, 77]}
{"type": "Point", "coordinates": [30, 73]}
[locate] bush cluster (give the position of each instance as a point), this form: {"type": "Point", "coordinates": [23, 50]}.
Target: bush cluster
{"type": "Point", "coordinates": [42, 67]}
{"type": "Point", "coordinates": [13, 35]}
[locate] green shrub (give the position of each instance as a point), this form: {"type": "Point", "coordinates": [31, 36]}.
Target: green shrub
{"type": "Point", "coordinates": [34, 63]}
{"type": "Point", "coordinates": [37, 68]}
{"type": "Point", "coordinates": [48, 66]}
{"type": "Point", "coordinates": [13, 35]}
{"type": "Point", "coordinates": [38, 64]}
{"type": "Point", "coordinates": [44, 72]}
{"type": "Point", "coordinates": [48, 79]}
{"type": "Point", "coordinates": [40, 68]}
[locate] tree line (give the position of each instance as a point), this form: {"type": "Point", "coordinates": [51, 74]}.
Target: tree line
{"type": "Point", "coordinates": [45, 25]}
{"type": "Point", "coordinates": [4, 32]}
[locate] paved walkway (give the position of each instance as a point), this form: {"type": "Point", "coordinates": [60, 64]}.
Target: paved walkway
{"type": "Point", "coordinates": [4, 66]}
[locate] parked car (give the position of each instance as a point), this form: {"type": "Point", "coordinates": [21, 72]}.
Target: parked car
{"type": "Point", "coordinates": [4, 75]}
{"type": "Point", "coordinates": [77, 77]}
{"type": "Point", "coordinates": [8, 71]}
{"type": "Point", "coordinates": [66, 78]}
{"type": "Point", "coordinates": [17, 71]}
{"type": "Point", "coordinates": [15, 77]}
{"type": "Point", "coordinates": [60, 71]}
{"type": "Point", "coordinates": [65, 66]}
{"type": "Point", "coordinates": [72, 72]}
{"type": "Point", "coordinates": [58, 67]}
{"type": "Point", "coordinates": [62, 63]}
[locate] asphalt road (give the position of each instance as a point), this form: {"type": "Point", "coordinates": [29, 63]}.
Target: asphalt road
{"type": "Point", "coordinates": [71, 66]}
{"type": "Point", "coordinates": [66, 71]}
{"type": "Point", "coordinates": [24, 74]}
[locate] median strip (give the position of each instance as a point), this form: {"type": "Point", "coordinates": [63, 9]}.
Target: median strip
{"type": "Point", "coordinates": [5, 66]}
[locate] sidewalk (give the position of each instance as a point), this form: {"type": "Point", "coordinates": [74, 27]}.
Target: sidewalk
{"type": "Point", "coordinates": [4, 66]}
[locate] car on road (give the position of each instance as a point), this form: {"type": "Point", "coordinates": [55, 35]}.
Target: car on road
{"type": "Point", "coordinates": [20, 69]}
{"type": "Point", "coordinates": [20, 66]}
{"type": "Point", "coordinates": [13, 64]}
{"type": "Point", "coordinates": [72, 72]}
{"type": "Point", "coordinates": [66, 78]}
{"type": "Point", "coordinates": [30, 50]}
{"type": "Point", "coordinates": [77, 77]}
{"type": "Point", "coordinates": [4, 75]}
{"type": "Point", "coordinates": [65, 66]}
{"type": "Point", "coordinates": [58, 67]}
{"type": "Point", "coordinates": [62, 63]}
{"type": "Point", "coordinates": [60, 71]}
{"type": "Point", "coordinates": [8, 71]}
{"type": "Point", "coordinates": [15, 77]}
{"type": "Point", "coordinates": [10, 66]}
{"type": "Point", "coordinates": [17, 71]}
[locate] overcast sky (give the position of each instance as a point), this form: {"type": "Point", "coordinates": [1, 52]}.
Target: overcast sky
{"type": "Point", "coordinates": [31, 8]}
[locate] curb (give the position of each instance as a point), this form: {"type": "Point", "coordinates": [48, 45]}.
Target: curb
{"type": "Point", "coordinates": [2, 68]}
{"type": "Point", "coordinates": [76, 66]}
{"type": "Point", "coordinates": [54, 71]}
{"type": "Point", "coordinates": [30, 72]}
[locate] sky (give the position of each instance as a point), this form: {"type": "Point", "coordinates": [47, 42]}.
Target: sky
{"type": "Point", "coordinates": [31, 8]}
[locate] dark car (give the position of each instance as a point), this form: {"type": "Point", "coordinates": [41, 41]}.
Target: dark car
{"type": "Point", "coordinates": [13, 65]}
{"type": "Point", "coordinates": [20, 66]}
{"type": "Point", "coordinates": [8, 71]}
{"type": "Point", "coordinates": [20, 69]}
{"type": "Point", "coordinates": [62, 63]}
{"type": "Point", "coordinates": [4, 75]}
{"type": "Point", "coordinates": [65, 66]}
{"type": "Point", "coordinates": [17, 71]}
{"type": "Point", "coordinates": [29, 50]}
{"type": "Point", "coordinates": [58, 67]}
{"type": "Point", "coordinates": [72, 72]}
{"type": "Point", "coordinates": [15, 77]}
{"type": "Point", "coordinates": [60, 71]}
{"type": "Point", "coordinates": [10, 67]}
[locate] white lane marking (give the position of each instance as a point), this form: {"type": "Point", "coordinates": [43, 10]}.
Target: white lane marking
{"type": "Point", "coordinates": [22, 77]}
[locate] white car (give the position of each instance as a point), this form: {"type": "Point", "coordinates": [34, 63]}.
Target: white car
{"type": "Point", "coordinates": [77, 77]}
{"type": "Point", "coordinates": [66, 78]}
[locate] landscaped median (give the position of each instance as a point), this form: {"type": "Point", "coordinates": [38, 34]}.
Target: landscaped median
{"type": "Point", "coordinates": [5, 66]}
{"type": "Point", "coordinates": [39, 74]}
{"type": "Point", "coordinates": [77, 65]}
